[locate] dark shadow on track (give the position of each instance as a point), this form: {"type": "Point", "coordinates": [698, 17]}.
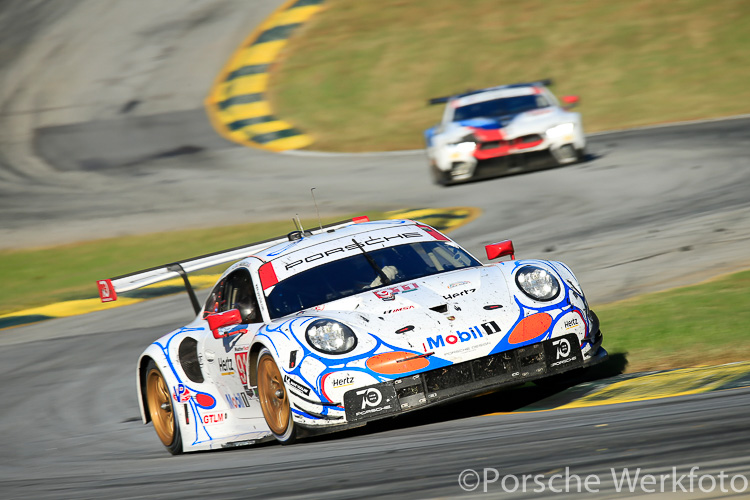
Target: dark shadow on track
{"type": "Point", "coordinates": [534, 396]}
{"type": "Point", "coordinates": [521, 169]}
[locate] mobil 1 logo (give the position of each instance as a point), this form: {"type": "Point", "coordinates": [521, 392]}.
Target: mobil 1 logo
{"type": "Point", "coordinates": [370, 402]}
{"type": "Point", "coordinates": [563, 352]}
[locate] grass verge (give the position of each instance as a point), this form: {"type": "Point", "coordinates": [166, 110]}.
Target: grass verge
{"type": "Point", "coordinates": [358, 74]}
{"type": "Point", "coordinates": [695, 325]}
{"type": "Point", "coordinates": [703, 324]}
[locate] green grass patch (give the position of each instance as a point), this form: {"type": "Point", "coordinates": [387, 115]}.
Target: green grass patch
{"type": "Point", "coordinates": [43, 276]}
{"type": "Point", "coordinates": [702, 324]}
{"type": "Point", "coordinates": [358, 74]}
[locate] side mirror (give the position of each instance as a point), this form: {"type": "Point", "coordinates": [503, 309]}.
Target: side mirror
{"type": "Point", "coordinates": [570, 100]}
{"type": "Point", "coordinates": [497, 250]}
{"type": "Point", "coordinates": [220, 320]}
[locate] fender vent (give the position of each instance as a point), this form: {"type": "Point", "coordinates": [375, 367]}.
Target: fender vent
{"type": "Point", "coordinates": [188, 353]}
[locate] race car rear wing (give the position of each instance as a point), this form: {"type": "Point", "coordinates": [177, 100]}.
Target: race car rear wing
{"type": "Point", "coordinates": [441, 100]}
{"type": "Point", "coordinates": [109, 288]}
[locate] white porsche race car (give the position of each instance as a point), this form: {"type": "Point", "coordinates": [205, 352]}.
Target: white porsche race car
{"type": "Point", "coordinates": [330, 329]}
{"type": "Point", "coordinates": [503, 130]}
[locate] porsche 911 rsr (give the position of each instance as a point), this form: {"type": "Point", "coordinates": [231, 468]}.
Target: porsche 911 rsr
{"type": "Point", "coordinates": [500, 130]}
{"type": "Point", "coordinates": [330, 329]}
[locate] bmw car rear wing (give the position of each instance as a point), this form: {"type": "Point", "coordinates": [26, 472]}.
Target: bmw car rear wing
{"type": "Point", "coordinates": [441, 100]}
{"type": "Point", "coordinates": [109, 288]}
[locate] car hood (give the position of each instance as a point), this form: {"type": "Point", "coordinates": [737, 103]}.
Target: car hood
{"type": "Point", "coordinates": [448, 313]}
{"type": "Point", "coordinates": [535, 121]}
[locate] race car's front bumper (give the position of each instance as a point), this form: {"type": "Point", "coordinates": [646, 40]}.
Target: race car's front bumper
{"type": "Point", "coordinates": [520, 161]}
{"type": "Point", "coordinates": [510, 164]}
{"type": "Point", "coordinates": [463, 380]}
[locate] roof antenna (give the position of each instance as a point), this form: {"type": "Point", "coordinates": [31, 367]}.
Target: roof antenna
{"type": "Point", "coordinates": [316, 208]}
{"type": "Point", "coordinates": [294, 221]}
{"type": "Point", "coordinates": [300, 224]}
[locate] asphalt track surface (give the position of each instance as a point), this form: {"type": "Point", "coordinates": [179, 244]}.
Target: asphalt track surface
{"type": "Point", "coordinates": [650, 209]}
{"type": "Point", "coordinates": [71, 429]}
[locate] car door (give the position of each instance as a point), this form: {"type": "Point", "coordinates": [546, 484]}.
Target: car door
{"type": "Point", "coordinates": [226, 358]}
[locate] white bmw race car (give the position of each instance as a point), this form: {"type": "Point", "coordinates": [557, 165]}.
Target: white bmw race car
{"type": "Point", "coordinates": [329, 329]}
{"type": "Point", "coordinates": [500, 130]}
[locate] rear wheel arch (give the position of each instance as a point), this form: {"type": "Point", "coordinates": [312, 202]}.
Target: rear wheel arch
{"type": "Point", "coordinates": [142, 374]}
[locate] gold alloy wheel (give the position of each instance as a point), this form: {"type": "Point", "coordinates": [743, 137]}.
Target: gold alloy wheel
{"type": "Point", "coordinates": [273, 397]}
{"type": "Point", "coordinates": [160, 406]}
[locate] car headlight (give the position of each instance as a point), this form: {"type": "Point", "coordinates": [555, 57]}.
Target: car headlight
{"type": "Point", "coordinates": [561, 130]}
{"type": "Point", "coordinates": [537, 283]}
{"type": "Point", "coordinates": [330, 337]}
{"type": "Point", "coordinates": [465, 147]}
{"type": "Point", "coordinates": [466, 144]}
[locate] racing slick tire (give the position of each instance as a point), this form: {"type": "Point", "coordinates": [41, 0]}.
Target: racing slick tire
{"type": "Point", "coordinates": [161, 410]}
{"type": "Point", "coordinates": [274, 399]}
{"type": "Point", "coordinates": [438, 176]}
{"type": "Point", "coordinates": [580, 155]}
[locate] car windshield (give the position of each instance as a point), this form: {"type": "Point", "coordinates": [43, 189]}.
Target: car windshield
{"type": "Point", "coordinates": [500, 107]}
{"type": "Point", "coordinates": [363, 272]}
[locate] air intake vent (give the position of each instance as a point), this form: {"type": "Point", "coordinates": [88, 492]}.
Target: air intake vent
{"type": "Point", "coordinates": [441, 308]}
{"type": "Point", "coordinates": [188, 353]}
